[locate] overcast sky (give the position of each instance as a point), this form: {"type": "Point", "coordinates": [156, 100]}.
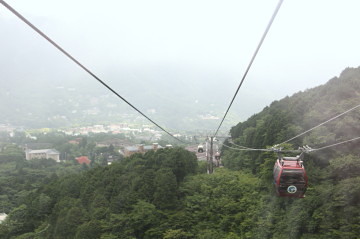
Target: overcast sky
{"type": "Point", "coordinates": [310, 41]}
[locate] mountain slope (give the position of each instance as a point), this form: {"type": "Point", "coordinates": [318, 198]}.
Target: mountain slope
{"type": "Point", "coordinates": [167, 194]}
{"type": "Point", "coordinates": [331, 206]}
{"type": "Point", "coordinates": [292, 115]}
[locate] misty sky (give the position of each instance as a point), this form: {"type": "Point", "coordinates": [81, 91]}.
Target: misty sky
{"type": "Point", "coordinates": [310, 41]}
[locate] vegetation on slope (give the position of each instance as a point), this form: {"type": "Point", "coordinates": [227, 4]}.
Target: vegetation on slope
{"type": "Point", "coordinates": [331, 206]}
{"type": "Point", "coordinates": [166, 194]}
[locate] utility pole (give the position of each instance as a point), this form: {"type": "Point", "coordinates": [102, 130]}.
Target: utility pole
{"type": "Point", "coordinates": [210, 159]}
{"type": "Point", "coordinates": [207, 156]}
{"type": "Point", "coordinates": [209, 153]}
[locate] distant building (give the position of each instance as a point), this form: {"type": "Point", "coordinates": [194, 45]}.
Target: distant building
{"type": "Point", "coordinates": [43, 153]}
{"type": "Point", "coordinates": [75, 141]}
{"type": "Point", "coordinates": [2, 217]}
{"type": "Point", "coordinates": [130, 150]}
{"type": "Point", "coordinates": [83, 159]}
{"type": "Point", "coordinates": [6, 128]}
{"type": "Point", "coordinates": [113, 142]}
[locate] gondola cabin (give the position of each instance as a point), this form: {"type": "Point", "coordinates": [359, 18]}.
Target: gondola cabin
{"type": "Point", "coordinates": [290, 177]}
{"type": "Point", "coordinates": [200, 148]}
{"type": "Point", "coordinates": [217, 156]}
{"type": "Point", "coordinates": [217, 159]}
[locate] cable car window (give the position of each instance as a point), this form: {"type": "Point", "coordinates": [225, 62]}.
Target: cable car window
{"type": "Point", "coordinates": [276, 171]}
{"type": "Point", "coordinates": [291, 176]}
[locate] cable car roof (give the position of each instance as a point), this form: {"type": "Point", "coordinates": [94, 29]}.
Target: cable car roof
{"type": "Point", "coordinates": [290, 164]}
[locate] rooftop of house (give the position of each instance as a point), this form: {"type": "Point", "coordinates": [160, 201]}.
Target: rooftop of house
{"type": "Point", "coordinates": [146, 147]}
{"type": "Point", "coordinates": [83, 159]}
{"type": "Point", "coordinates": [149, 147]}
{"type": "Point", "coordinates": [132, 148]}
{"type": "Point", "coordinates": [43, 151]}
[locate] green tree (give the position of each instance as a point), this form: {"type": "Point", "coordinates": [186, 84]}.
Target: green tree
{"type": "Point", "coordinates": [89, 230]}
{"type": "Point", "coordinates": [165, 189]}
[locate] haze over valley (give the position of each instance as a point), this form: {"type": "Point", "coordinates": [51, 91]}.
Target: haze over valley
{"type": "Point", "coordinates": [282, 161]}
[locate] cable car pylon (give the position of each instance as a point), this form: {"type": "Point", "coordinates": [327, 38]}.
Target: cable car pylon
{"type": "Point", "coordinates": [210, 155]}
{"type": "Point", "coordinates": [211, 161]}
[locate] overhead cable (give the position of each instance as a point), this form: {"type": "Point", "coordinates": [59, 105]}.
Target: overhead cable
{"type": "Point", "coordinates": [306, 148]}
{"type": "Point", "coordinates": [248, 149]}
{"type": "Point", "coordinates": [82, 66]}
{"type": "Point", "coordinates": [231, 142]}
{"type": "Point", "coordinates": [262, 150]}
{"type": "Point", "coordinates": [332, 145]}
{"type": "Point", "coordinates": [333, 118]}
{"type": "Point", "coordinates": [251, 61]}
{"type": "Point", "coordinates": [275, 149]}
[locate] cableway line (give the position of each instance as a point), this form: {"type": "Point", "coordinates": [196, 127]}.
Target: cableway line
{"type": "Point", "coordinates": [251, 62]}
{"type": "Point", "coordinates": [81, 65]}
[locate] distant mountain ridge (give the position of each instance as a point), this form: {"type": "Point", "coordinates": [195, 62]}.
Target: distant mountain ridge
{"type": "Point", "coordinates": [292, 115]}
{"type": "Point", "coordinates": [174, 98]}
{"type": "Point", "coordinates": [168, 194]}
{"type": "Point", "coordinates": [331, 203]}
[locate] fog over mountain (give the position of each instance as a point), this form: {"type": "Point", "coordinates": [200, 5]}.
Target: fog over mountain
{"type": "Point", "coordinates": [45, 89]}
{"type": "Point", "coordinates": [182, 71]}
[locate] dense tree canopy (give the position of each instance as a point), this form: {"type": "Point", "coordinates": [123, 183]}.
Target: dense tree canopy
{"type": "Point", "coordinates": [331, 208]}
{"type": "Point", "coordinates": [166, 194]}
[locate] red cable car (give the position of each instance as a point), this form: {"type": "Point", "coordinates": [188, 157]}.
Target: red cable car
{"type": "Point", "coordinates": [200, 148]}
{"type": "Point", "coordinates": [290, 176]}
{"type": "Point", "coordinates": [217, 156]}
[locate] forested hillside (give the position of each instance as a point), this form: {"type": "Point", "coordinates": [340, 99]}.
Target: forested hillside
{"type": "Point", "coordinates": [331, 208]}
{"type": "Point", "coordinates": [293, 115]}
{"type": "Point", "coordinates": [303, 110]}
{"type": "Point", "coordinates": [19, 177]}
{"type": "Point", "coordinates": [167, 193]}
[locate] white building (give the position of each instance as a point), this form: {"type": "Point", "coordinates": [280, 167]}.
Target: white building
{"type": "Point", "coordinates": [43, 153]}
{"type": "Point", "coordinates": [2, 217]}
